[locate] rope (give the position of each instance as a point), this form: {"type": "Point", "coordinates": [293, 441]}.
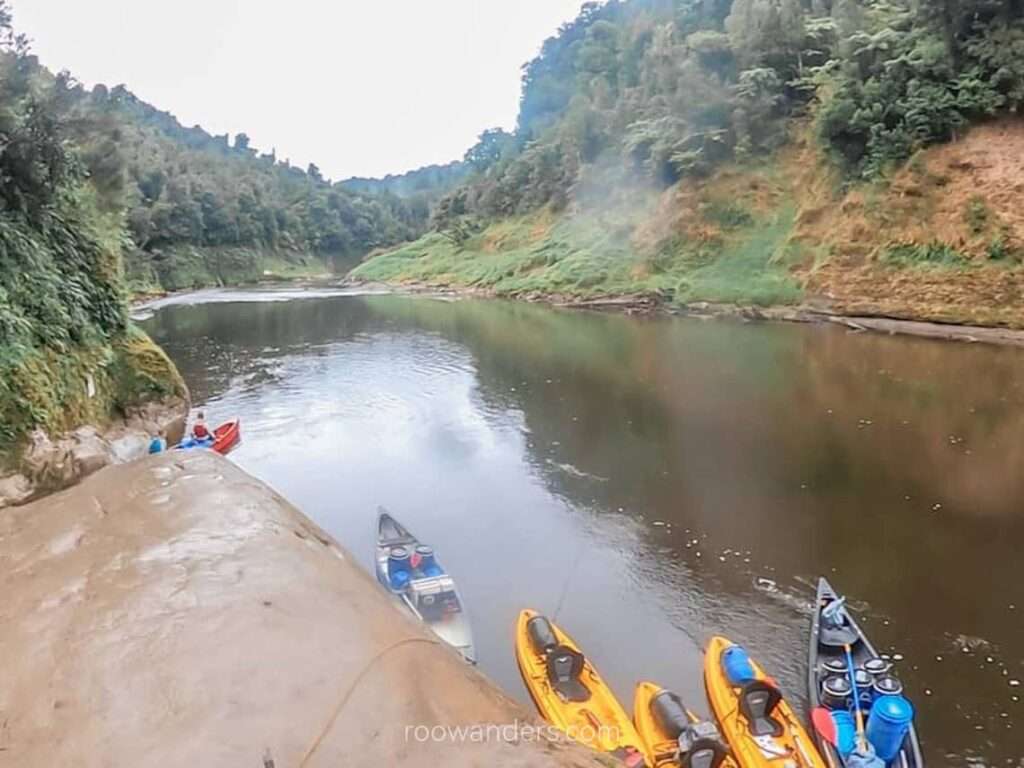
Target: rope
{"type": "Point", "coordinates": [568, 578]}
{"type": "Point", "coordinates": [351, 689]}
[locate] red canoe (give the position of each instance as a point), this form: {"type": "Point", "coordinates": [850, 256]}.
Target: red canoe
{"type": "Point", "coordinates": [227, 436]}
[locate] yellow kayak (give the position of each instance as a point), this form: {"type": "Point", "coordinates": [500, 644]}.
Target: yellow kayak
{"type": "Point", "coordinates": [570, 694]}
{"type": "Point", "coordinates": [672, 735]}
{"type": "Point", "coordinates": [757, 722]}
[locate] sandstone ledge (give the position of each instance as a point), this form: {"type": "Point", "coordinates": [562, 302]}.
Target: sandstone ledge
{"type": "Point", "coordinates": [176, 612]}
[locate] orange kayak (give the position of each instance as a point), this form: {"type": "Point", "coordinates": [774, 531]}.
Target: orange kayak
{"type": "Point", "coordinates": [227, 436]}
{"type": "Point", "coordinates": [569, 693]}
{"type": "Point", "coordinates": [755, 719]}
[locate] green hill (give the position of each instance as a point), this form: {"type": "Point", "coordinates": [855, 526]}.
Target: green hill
{"type": "Point", "coordinates": [685, 149]}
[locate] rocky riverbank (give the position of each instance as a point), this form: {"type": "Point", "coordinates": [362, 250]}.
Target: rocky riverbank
{"type": "Point", "coordinates": [639, 304]}
{"type": "Point", "coordinates": [178, 612]}
{"type": "Point", "coordinates": [50, 464]}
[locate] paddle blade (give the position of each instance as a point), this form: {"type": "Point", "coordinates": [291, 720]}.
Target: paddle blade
{"type": "Point", "coordinates": [824, 725]}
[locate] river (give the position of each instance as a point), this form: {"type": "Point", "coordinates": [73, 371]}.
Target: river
{"type": "Point", "coordinates": [654, 480]}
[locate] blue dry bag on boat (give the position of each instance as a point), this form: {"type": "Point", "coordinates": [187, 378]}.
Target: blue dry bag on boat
{"type": "Point", "coordinates": [888, 724]}
{"type": "Point", "coordinates": [846, 732]}
{"type": "Point", "coordinates": [398, 568]}
{"type": "Point", "coordinates": [737, 666]}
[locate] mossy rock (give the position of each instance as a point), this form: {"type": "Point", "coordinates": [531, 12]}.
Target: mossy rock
{"type": "Point", "coordinates": [142, 372]}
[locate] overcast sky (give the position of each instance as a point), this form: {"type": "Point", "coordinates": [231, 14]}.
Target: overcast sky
{"type": "Point", "coordinates": [360, 87]}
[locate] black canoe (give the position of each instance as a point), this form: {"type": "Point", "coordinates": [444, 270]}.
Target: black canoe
{"type": "Point", "coordinates": [827, 645]}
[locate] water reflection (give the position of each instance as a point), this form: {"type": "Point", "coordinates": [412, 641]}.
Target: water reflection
{"type": "Point", "coordinates": [671, 478]}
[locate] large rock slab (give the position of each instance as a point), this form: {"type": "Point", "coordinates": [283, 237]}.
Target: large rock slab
{"type": "Point", "coordinates": [177, 612]}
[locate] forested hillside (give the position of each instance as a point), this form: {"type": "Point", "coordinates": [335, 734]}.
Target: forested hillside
{"type": "Point", "coordinates": [671, 146]}
{"type": "Point", "coordinates": [68, 354]}
{"type": "Point", "coordinates": [425, 185]}
{"type": "Point", "coordinates": [204, 209]}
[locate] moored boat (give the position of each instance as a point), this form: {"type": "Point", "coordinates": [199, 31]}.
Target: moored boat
{"type": "Point", "coordinates": [411, 573]}
{"type": "Point", "coordinates": [672, 736]}
{"type": "Point", "coordinates": [223, 439]}
{"type": "Point", "coordinates": [890, 727]}
{"type": "Point", "coordinates": [570, 694]}
{"type": "Point", "coordinates": [755, 719]}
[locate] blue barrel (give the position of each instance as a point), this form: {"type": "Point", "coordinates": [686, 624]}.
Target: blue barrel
{"type": "Point", "coordinates": [427, 562]}
{"type": "Point", "coordinates": [156, 445]}
{"type": "Point", "coordinates": [864, 683]}
{"type": "Point", "coordinates": [846, 732]}
{"type": "Point", "coordinates": [398, 568]}
{"type": "Point", "coordinates": [737, 666]}
{"type": "Point", "coordinates": [888, 724]}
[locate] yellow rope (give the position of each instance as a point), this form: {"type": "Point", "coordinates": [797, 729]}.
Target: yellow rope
{"type": "Point", "coordinates": [351, 689]}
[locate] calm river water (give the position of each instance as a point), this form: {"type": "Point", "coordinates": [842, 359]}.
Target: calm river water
{"type": "Point", "coordinates": [656, 480]}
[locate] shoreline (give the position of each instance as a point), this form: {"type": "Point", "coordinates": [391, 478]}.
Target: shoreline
{"type": "Point", "coordinates": [651, 305]}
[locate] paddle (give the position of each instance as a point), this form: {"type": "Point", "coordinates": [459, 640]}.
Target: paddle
{"type": "Point", "coordinates": [862, 740]}
{"type": "Point", "coordinates": [825, 725]}
{"type": "Point", "coordinates": [826, 728]}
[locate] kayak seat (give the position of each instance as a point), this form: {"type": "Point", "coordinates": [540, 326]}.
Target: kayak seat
{"type": "Point", "coordinates": [542, 635]}
{"type": "Point", "coordinates": [837, 637]}
{"type": "Point", "coordinates": [705, 753]}
{"type": "Point", "coordinates": [564, 667]}
{"type": "Point", "coordinates": [758, 700]}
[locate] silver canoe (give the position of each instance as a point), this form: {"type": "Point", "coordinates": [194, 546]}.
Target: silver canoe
{"type": "Point", "coordinates": [433, 599]}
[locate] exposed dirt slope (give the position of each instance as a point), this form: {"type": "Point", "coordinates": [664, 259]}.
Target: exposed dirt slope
{"type": "Point", "coordinates": [942, 241]}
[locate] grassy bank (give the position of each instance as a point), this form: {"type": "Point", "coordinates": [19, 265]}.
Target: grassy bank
{"type": "Point", "coordinates": [591, 255]}
{"type": "Point", "coordinates": [941, 239]}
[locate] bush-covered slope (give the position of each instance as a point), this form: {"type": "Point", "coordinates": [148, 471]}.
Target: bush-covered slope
{"type": "Point", "coordinates": [671, 146]}
{"type": "Point", "coordinates": [68, 354]}
{"type": "Point", "coordinates": [205, 210]}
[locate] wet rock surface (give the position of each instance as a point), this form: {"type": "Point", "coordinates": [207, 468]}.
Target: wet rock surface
{"type": "Point", "coordinates": [177, 612]}
{"type": "Point", "coordinates": [50, 464]}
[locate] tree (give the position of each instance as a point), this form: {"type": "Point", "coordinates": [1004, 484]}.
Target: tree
{"type": "Point", "coordinates": [489, 149]}
{"type": "Point", "coordinates": [242, 144]}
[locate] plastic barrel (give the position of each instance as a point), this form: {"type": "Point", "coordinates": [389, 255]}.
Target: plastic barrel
{"type": "Point", "coordinates": [836, 692]}
{"type": "Point", "coordinates": [887, 685]}
{"type": "Point", "coordinates": [670, 714]}
{"type": "Point", "coordinates": [877, 667]}
{"type": "Point", "coordinates": [736, 664]}
{"type": "Point", "coordinates": [888, 724]}
{"type": "Point", "coordinates": [398, 567]}
{"type": "Point", "coordinates": [864, 682]}
{"type": "Point", "coordinates": [428, 563]}
{"type": "Point", "coordinates": [542, 635]}
{"type": "Point", "coordinates": [835, 666]}
{"type": "Point", "coordinates": [846, 732]}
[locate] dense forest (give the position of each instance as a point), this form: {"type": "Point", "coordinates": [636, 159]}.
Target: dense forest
{"type": "Point", "coordinates": [424, 185]}
{"type": "Point", "coordinates": [747, 151]}
{"type": "Point", "coordinates": [200, 209]}
{"type": "Point", "coordinates": [673, 88]}
{"type": "Point", "coordinates": [68, 354]}
{"type": "Point", "coordinates": [204, 209]}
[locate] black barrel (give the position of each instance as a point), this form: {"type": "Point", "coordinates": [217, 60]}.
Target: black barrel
{"type": "Point", "coordinates": [835, 692]}
{"type": "Point", "coordinates": [670, 713]}
{"type": "Point", "coordinates": [887, 686]}
{"type": "Point", "coordinates": [877, 667]}
{"type": "Point", "coordinates": [835, 666]}
{"type": "Point", "coordinates": [542, 634]}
